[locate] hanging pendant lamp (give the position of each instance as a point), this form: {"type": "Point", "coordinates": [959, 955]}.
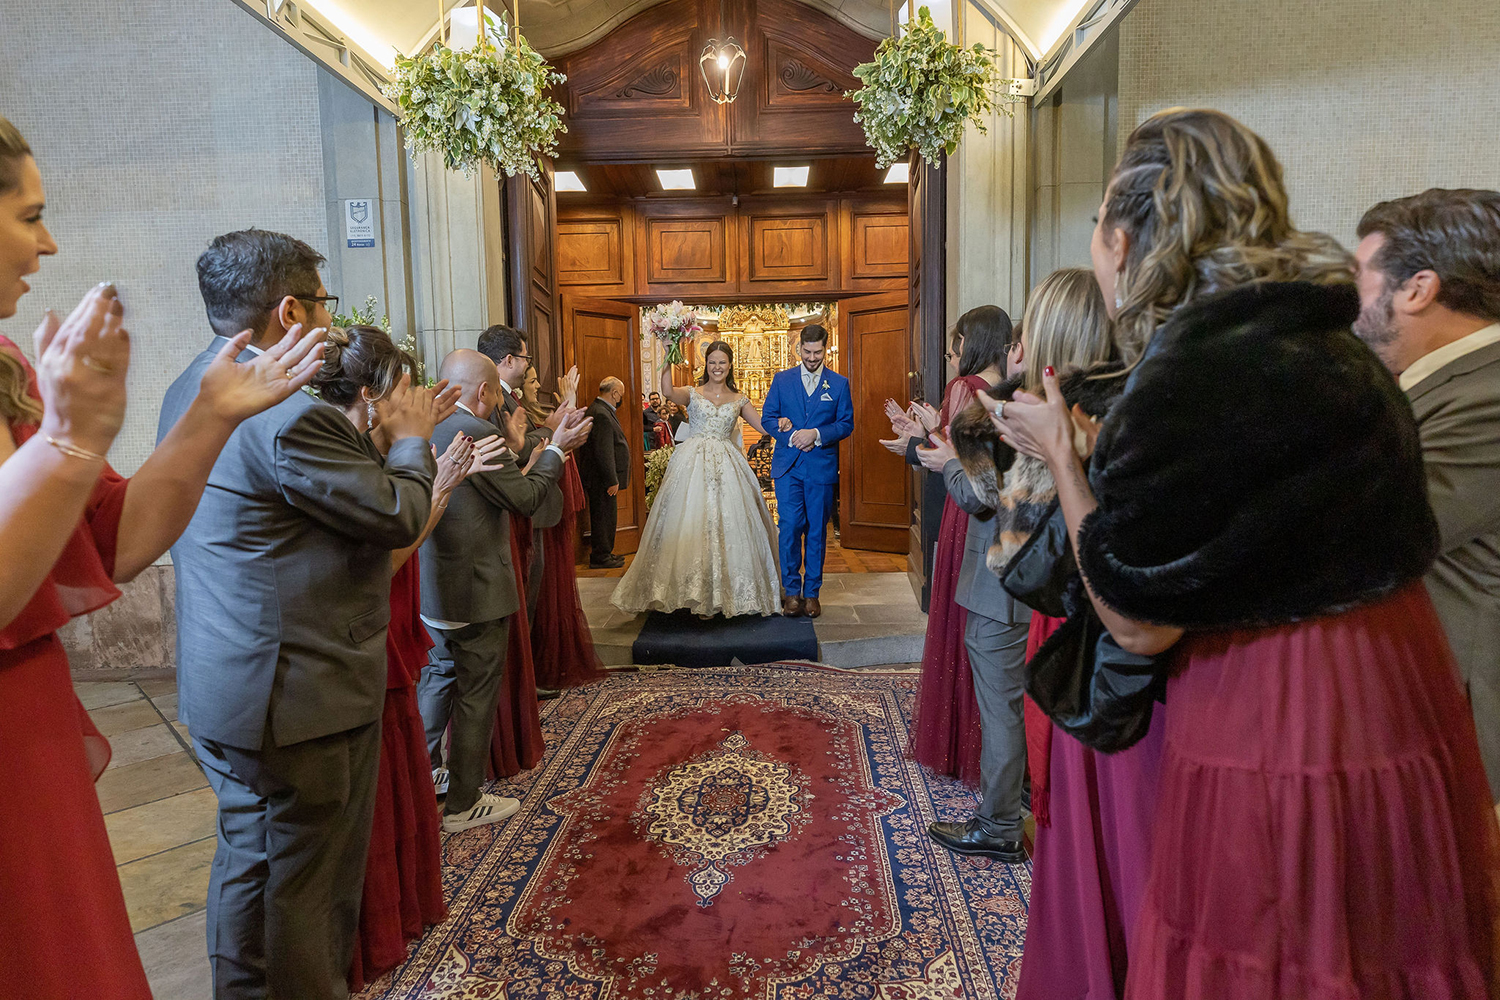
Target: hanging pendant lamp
{"type": "Point", "coordinates": [722, 65]}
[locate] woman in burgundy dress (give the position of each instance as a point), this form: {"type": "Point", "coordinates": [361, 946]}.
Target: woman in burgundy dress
{"type": "Point", "coordinates": [403, 892]}
{"type": "Point", "coordinates": [1256, 505]}
{"type": "Point", "coordinates": [71, 529]}
{"type": "Point", "coordinates": [945, 730]}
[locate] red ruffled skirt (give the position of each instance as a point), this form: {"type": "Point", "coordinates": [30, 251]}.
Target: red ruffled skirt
{"type": "Point", "coordinates": [946, 733]}
{"type": "Point", "coordinates": [562, 647]}
{"type": "Point", "coordinates": [1324, 827]}
{"type": "Point", "coordinates": [517, 744]}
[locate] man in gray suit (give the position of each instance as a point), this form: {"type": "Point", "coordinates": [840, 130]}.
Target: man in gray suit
{"type": "Point", "coordinates": [283, 597]}
{"type": "Point", "coordinates": [469, 591]}
{"type": "Point", "coordinates": [1429, 288]}
{"type": "Point", "coordinates": [995, 638]}
{"type": "Point", "coordinates": [506, 347]}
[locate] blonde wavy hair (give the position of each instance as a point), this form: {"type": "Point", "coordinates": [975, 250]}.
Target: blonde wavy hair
{"type": "Point", "coordinates": [1065, 325]}
{"type": "Point", "coordinates": [1202, 200]}
{"type": "Point", "coordinates": [16, 403]}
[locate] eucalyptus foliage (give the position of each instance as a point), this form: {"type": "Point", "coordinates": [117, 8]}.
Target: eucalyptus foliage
{"type": "Point", "coordinates": [922, 89]}
{"type": "Point", "coordinates": [488, 104]}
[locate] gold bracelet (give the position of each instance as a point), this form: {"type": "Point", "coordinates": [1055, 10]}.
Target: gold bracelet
{"type": "Point", "coordinates": [73, 451]}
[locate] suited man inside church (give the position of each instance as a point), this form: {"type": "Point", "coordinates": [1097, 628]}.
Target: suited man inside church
{"type": "Point", "coordinates": [604, 467]}
{"type": "Point", "coordinates": [807, 412]}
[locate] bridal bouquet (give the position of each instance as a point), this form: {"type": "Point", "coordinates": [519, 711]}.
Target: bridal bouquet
{"type": "Point", "coordinates": [672, 324]}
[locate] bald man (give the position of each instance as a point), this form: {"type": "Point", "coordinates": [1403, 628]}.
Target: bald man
{"type": "Point", "coordinates": [604, 467]}
{"type": "Point", "coordinates": [469, 592]}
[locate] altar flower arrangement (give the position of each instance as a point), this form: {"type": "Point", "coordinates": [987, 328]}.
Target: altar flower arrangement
{"type": "Point", "coordinates": [672, 324]}
{"type": "Point", "coordinates": [488, 104]}
{"type": "Point", "coordinates": [922, 90]}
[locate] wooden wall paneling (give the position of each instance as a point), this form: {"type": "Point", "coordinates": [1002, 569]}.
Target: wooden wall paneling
{"type": "Point", "coordinates": [531, 213]}
{"type": "Point", "coordinates": [799, 64]}
{"type": "Point", "coordinates": [637, 92]}
{"type": "Point", "coordinates": [793, 245]}
{"type": "Point", "coordinates": [875, 243]}
{"type": "Point", "coordinates": [875, 490]}
{"type": "Point", "coordinates": [603, 339]}
{"type": "Point", "coordinates": [688, 244]}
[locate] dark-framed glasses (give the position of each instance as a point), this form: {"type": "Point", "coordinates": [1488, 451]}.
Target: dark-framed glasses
{"type": "Point", "coordinates": [331, 301]}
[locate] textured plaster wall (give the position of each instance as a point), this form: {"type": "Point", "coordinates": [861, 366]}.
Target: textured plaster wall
{"type": "Point", "coordinates": [1361, 100]}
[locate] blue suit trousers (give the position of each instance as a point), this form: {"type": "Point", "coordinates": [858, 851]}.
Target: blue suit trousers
{"type": "Point", "coordinates": [804, 510]}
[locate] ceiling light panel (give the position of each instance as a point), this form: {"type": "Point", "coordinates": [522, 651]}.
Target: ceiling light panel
{"type": "Point", "coordinates": [789, 177]}
{"type": "Point", "coordinates": [676, 180]}
{"type": "Point", "coordinates": [568, 180]}
{"type": "Point", "coordinates": [898, 174]}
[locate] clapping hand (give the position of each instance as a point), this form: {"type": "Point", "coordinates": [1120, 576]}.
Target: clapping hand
{"type": "Point", "coordinates": [486, 455]}
{"type": "Point", "coordinates": [81, 365]}
{"type": "Point", "coordinates": [513, 426]}
{"type": "Point", "coordinates": [238, 391]}
{"type": "Point", "coordinates": [445, 403]}
{"type": "Point", "coordinates": [938, 455]}
{"type": "Point", "coordinates": [893, 410]}
{"type": "Point", "coordinates": [452, 467]}
{"type": "Point", "coordinates": [926, 417]}
{"type": "Point", "coordinates": [569, 385]}
{"type": "Point", "coordinates": [1039, 427]}
{"type": "Point", "coordinates": [407, 411]}
{"type": "Point", "coordinates": [573, 430]}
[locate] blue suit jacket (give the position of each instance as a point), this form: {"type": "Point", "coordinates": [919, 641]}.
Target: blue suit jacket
{"type": "Point", "coordinates": [829, 410]}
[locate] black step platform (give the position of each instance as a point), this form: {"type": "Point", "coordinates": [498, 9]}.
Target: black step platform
{"type": "Point", "coordinates": [685, 640]}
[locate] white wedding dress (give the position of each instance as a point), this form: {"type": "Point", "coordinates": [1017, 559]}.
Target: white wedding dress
{"type": "Point", "coordinates": [709, 542]}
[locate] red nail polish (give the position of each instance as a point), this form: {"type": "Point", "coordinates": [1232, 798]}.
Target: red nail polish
{"type": "Point", "coordinates": [1049, 371]}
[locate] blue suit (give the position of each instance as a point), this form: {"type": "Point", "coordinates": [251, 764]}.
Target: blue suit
{"type": "Point", "coordinates": [806, 480]}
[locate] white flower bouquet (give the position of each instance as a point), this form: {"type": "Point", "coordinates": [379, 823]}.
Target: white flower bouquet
{"type": "Point", "coordinates": [672, 324]}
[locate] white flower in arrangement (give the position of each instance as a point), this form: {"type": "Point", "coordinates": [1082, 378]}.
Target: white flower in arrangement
{"type": "Point", "coordinates": [672, 323]}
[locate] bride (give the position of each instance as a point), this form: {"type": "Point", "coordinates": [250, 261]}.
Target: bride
{"type": "Point", "coordinates": [709, 543]}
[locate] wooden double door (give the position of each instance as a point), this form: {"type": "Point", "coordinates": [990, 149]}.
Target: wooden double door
{"type": "Point", "coordinates": [602, 337]}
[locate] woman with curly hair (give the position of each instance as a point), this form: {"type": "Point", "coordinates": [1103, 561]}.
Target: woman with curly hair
{"type": "Point", "coordinates": [1255, 513]}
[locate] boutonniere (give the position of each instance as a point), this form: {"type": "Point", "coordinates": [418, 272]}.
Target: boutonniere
{"type": "Point", "coordinates": [825, 383]}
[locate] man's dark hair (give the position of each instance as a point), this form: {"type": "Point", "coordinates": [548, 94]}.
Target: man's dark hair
{"type": "Point", "coordinates": [243, 276]}
{"type": "Point", "coordinates": [987, 335]}
{"type": "Point", "coordinates": [656, 394]}
{"type": "Point", "coordinates": [499, 341]}
{"type": "Point", "coordinates": [813, 333]}
{"type": "Point", "coordinates": [1455, 233]}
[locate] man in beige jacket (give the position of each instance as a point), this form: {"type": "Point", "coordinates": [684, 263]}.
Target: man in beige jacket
{"type": "Point", "coordinates": [1429, 287]}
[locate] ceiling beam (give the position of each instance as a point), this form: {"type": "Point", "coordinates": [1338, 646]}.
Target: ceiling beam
{"type": "Point", "coordinates": [1085, 31]}
{"type": "Point", "coordinates": [319, 38]}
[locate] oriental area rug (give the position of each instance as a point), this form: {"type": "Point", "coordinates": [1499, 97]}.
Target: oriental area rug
{"type": "Point", "coordinates": [740, 833]}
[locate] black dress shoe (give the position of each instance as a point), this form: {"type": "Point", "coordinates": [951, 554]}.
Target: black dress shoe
{"type": "Point", "coordinates": [613, 562]}
{"type": "Point", "coordinates": [969, 838]}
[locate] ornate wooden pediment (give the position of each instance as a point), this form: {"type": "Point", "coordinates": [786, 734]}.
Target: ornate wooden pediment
{"type": "Point", "coordinates": [637, 94]}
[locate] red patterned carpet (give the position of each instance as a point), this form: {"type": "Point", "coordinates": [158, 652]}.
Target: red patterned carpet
{"type": "Point", "coordinates": [748, 832]}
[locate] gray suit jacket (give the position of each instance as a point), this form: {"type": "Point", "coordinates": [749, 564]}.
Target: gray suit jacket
{"type": "Point", "coordinates": [550, 512]}
{"type": "Point", "coordinates": [284, 573]}
{"type": "Point", "coordinates": [467, 574]}
{"type": "Point", "coordinates": [978, 589]}
{"type": "Point", "coordinates": [1458, 415]}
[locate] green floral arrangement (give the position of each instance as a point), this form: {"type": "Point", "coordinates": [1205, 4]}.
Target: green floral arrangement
{"type": "Point", "coordinates": [922, 90]}
{"type": "Point", "coordinates": [488, 104]}
{"type": "Point", "coordinates": [656, 468]}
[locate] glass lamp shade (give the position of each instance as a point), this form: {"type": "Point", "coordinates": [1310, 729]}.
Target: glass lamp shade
{"type": "Point", "coordinates": [723, 66]}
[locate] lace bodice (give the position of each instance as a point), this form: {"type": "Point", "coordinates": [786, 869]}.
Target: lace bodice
{"type": "Point", "coordinates": [708, 420]}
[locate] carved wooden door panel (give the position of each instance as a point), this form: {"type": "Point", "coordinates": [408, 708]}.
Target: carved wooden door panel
{"type": "Point", "coordinates": [531, 220]}
{"type": "Point", "coordinates": [927, 218]}
{"type": "Point", "coordinates": [602, 338]}
{"type": "Point", "coordinates": [874, 490]}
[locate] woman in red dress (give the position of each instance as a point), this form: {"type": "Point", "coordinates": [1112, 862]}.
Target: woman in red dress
{"type": "Point", "coordinates": [1256, 504]}
{"type": "Point", "coordinates": [71, 528]}
{"type": "Point", "coordinates": [945, 730]}
{"type": "Point", "coordinates": [403, 892]}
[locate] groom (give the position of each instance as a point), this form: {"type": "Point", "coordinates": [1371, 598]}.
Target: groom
{"type": "Point", "coordinates": [808, 412]}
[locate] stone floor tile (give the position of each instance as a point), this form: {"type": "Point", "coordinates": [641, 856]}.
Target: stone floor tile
{"type": "Point", "coordinates": [101, 694]}
{"type": "Point", "coordinates": [168, 885]}
{"type": "Point", "coordinates": [149, 780]}
{"type": "Point", "coordinates": [155, 689]}
{"type": "Point", "coordinates": [128, 715]}
{"type": "Point", "coordinates": [167, 705]}
{"type": "Point", "coordinates": [162, 825]}
{"type": "Point", "coordinates": [909, 616]}
{"type": "Point", "coordinates": [143, 744]}
{"type": "Point", "coordinates": [175, 955]}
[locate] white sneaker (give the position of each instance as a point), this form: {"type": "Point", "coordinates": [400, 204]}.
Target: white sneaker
{"type": "Point", "coordinates": [489, 809]}
{"type": "Point", "coordinates": [440, 780]}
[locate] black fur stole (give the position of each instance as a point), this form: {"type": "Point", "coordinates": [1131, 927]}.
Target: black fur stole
{"type": "Point", "coordinates": [1262, 467]}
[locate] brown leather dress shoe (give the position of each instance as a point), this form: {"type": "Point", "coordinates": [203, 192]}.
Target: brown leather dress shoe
{"type": "Point", "coordinates": [811, 608]}
{"type": "Point", "coordinates": [791, 605]}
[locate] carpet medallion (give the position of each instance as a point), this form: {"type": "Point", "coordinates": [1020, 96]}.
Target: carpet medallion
{"type": "Point", "coordinates": [748, 833]}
